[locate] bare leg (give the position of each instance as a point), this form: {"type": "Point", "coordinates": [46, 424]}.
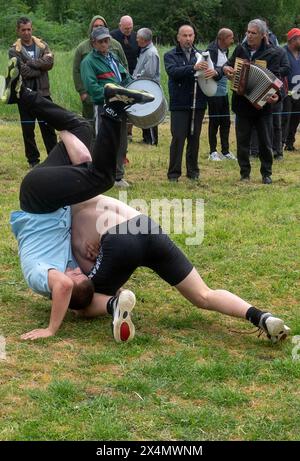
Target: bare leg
{"type": "Point", "coordinates": [197, 292]}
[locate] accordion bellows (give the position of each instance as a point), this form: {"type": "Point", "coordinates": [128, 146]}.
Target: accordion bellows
{"type": "Point", "coordinates": [254, 82]}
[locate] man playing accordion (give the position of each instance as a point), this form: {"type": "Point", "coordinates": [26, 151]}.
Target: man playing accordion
{"type": "Point", "coordinates": [255, 50]}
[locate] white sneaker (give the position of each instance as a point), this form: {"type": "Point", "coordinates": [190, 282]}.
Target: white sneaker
{"type": "Point", "coordinates": [121, 183]}
{"type": "Point", "coordinates": [122, 326]}
{"type": "Point", "coordinates": [274, 327]}
{"type": "Point", "coordinates": [215, 156]}
{"type": "Point", "coordinates": [229, 156]}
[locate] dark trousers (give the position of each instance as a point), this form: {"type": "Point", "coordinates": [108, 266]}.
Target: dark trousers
{"type": "Point", "coordinates": [219, 118]}
{"type": "Point", "coordinates": [276, 133]}
{"type": "Point", "coordinates": [121, 154]}
{"type": "Point", "coordinates": [150, 135]}
{"type": "Point", "coordinates": [181, 132]}
{"type": "Point", "coordinates": [55, 182]}
{"type": "Point", "coordinates": [263, 125]}
{"type": "Point", "coordinates": [277, 129]}
{"type": "Point", "coordinates": [290, 120]}
{"type": "Point", "coordinates": [28, 117]}
{"type": "Point", "coordinates": [254, 149]}
{"type": "Point", "coordinates": [88, 114]}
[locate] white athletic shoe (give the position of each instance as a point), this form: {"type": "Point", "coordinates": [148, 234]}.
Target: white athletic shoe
{"type": "Point", "coordinates": [122, 326]}
{"type": "Point", "coordinates": [274, 327]}
{"type": "Point", "coordinates": [113, 93]}
{"type": "Point", "coordinates": [121, 183]}
{"type": "Point", "coordinates": [215, 156]}
{"type": "Point", "coordinates": [10, 92]}
{"type": "Point", "coordinates": [229, 156]}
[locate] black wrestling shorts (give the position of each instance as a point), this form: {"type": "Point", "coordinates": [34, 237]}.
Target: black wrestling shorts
{"type": "Point", "coordinates": [134, 243]}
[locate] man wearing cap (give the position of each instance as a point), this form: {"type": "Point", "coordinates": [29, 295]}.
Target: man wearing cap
{"type": "Point", "coordinates": [99, 67]}
{"type": "Point", "coordinates": [80, 53]}
{"type": "Point", "coordinates": [254, 49]}
{"type": "Point", "coordinates": [291, 103]}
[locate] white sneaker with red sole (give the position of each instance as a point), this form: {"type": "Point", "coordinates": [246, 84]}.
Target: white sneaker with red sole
{"type": "Point", "coordinates": [122, 326]}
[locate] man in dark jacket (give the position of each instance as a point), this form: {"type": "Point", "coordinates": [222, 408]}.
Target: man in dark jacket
{"type": "Point", "coordinates": [35, 59]}
{"type": "Point", "coordinates": [254, 49]}
{"type": "Point", "coordinates": [291, 103]}
{"type": "Point", "coordinates": [218, 105]}
{"type": "Point", "coordinates": [181, 66]}
{"type": "Point", "coordinates": [126, 36]}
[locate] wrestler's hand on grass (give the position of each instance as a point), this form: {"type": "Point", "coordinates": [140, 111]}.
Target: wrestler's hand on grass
{"type": "Point", "coordinates": [39, 333]}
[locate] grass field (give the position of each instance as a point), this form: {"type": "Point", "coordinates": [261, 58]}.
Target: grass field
{"type": "Point", "coordinates": [187, 375]}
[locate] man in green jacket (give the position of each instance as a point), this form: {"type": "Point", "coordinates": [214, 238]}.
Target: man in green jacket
{"type": "Point", "coordinates": [99, 67]}
{"type": "Point", "coordinates": [80, 53]}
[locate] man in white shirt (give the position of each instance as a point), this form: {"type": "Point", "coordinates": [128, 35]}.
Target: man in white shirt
{"type": "Point", "coordinates": [218, 105]}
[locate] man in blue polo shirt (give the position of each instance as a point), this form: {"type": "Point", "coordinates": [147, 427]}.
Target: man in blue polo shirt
{"type": "Point", "coordinates": [44, 244]}
{"type": "Point", "coordinates": [69, 175]}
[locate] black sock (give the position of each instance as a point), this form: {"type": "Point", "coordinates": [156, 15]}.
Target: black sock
{"type": "Point", "coordinates": [111, 303]}
{"type": "Point", "coordinates": [254, 315]}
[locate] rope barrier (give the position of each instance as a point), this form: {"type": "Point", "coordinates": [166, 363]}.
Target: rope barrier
{"type": "Point", "coordinates": [12, 121]}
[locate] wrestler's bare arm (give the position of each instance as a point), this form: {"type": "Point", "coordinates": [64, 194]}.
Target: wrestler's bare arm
{"type": "Point", "coordinates": [77, 151]}
{"type": "Point", "coordinates": [61, 289]}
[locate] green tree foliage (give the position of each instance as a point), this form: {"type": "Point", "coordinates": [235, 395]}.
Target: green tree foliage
{"type": "Point", "coordinates": [8, 18]}
{"type": "Point", "coordinates": [64, 22]}
{"type": "Point", "coordinates": [281, 15]}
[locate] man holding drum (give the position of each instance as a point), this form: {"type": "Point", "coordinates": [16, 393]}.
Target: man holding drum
{"type": "Point", "coordinates": [99, 67]}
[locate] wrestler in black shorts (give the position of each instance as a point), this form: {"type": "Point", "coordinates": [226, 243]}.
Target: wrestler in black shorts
{"type": "Point", "coordinates": [122, 251]}
{"type": "Point", "coordinates": [55, 182]}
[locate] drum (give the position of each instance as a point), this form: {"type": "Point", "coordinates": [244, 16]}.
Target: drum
{"type": "Point", "coordinates": [150, 114]}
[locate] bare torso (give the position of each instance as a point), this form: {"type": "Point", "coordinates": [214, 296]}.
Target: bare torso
{"type": "Point", "coordinates": [92, 219]}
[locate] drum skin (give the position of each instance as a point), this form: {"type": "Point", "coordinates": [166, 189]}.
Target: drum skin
{"type": "Point", "coordinates": [150, 114]}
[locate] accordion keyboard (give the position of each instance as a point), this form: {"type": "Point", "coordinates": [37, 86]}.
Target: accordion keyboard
{"type": "Point", "coordinates": [254, 82]}
{"type": "Point", "coordinates": [239, 70]}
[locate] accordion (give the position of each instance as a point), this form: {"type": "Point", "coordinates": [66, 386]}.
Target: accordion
{"type": "Point", "coordinates": [254, 82]}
